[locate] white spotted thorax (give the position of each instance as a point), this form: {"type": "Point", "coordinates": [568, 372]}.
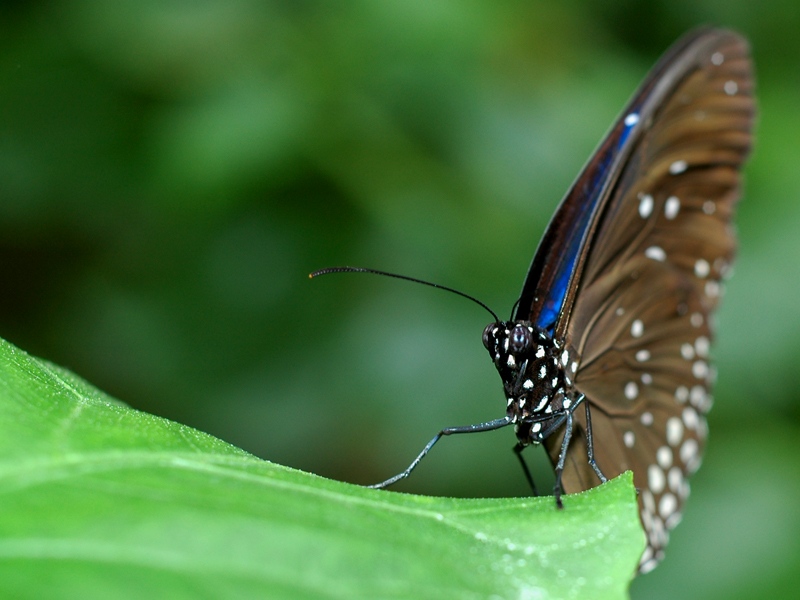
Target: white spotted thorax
{"type": "Point", "coordinates": [537, 377]}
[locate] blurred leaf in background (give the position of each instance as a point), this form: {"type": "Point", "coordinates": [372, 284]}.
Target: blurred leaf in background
{"type": "Point", "coordinates": [170, 172]}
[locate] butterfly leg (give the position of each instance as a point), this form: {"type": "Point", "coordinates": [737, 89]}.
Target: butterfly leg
{"type": "Point", "coordinates": [518, 451]}
{"type": "Point", "coordinates": [590, 443]}
{"type": "Point", "coordinates": [488, 426]}
{"type": "Point", "coordinates": [562, 457]}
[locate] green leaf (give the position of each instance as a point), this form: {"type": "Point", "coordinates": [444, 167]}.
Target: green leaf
{"type": "Point", "coordinates": [103, 501]}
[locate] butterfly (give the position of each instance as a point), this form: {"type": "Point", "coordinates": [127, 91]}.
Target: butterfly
{"type": "Point", "coordinates": [606, 360]}
{"type": "Point", "coordinates": [620, 296]}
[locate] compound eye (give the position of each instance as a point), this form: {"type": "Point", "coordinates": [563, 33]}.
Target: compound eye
{"type": "Point", "coordinates": [488, 335]}
{"type": "Point", "coordinates": [520, 340]}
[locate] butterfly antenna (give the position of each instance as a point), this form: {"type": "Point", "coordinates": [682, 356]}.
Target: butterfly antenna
{"type": "Point", "coordinates": [513, 308]}
{"type": "Point", "coordinates": [396, 276]}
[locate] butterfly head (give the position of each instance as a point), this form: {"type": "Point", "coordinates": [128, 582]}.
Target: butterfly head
{"type": "Point", "coordinates": [536, 375]}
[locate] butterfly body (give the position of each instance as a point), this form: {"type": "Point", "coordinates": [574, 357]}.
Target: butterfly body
{"type": "Point", "coordinates": [537, 377]}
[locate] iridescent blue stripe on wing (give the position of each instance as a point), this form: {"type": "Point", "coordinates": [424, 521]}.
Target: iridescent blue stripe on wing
{"type": "Point", "coordinates": [568, 261]}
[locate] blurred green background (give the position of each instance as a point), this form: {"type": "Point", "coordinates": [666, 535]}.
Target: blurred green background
{"type": "Point", "coordinates": [171, 171]}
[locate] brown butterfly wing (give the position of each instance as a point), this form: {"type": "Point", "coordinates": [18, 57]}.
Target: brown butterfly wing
{"type": "Point", "coordinates": [652, 279]}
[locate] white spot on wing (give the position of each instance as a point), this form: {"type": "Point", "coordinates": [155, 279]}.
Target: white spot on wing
{"type": "Point", "coordinates": [647, 555]}
{"type": "Point", "coordinates": [667, 505]}
{"type": "Point", "coordinates": [540, 352]}
{"type": "Point", "coordinates": [678, 167]}
{"type": "Point", "coordinates": [685, 490]}
{"type": "Point", "coordinates": [694, 464]}
{"type": "Point", "coordinates": [690, 418]}
{"type": "Point", "coordinates": [697, 396]}
{"type": "Point", "coordinates": [647, 379]}
{"type": "Point", "coordinates": [726, 271]}
{"type": "Point", "coordinates": [682, 394]}
{"type": "Point", "coordinates": [696, 320]}
{"type": "Point", "coordinates": [673, 520]}
{"type": "Point", "coordinates": [717, 58]}
{"type": "Point", "coordinates": [702, 268]}
{"type": "Point", "coordinates": [687, 351]}
{"type": "Point", "coordinates": [656, 479]}
{"type": "Point", "coordinates": [646, 206]}
{"type": "Point", "coordinates": [664, 457]}
{"type": "Point", "coordinates": [701, 346]}
{"type": "Point", "coordinates": [528, 385]}
{"type": "Point", "coordinates": [632, 119]}
{"type": "Point", "coordinates": [674, 431]}
{"type": "Point", "coordinates": [646, 418]}
{"type": "Point", "coordinates": [675, 479]}
{"type": "Point", "coordinates": [700, 369]}
{"type": "Point", "coordinates": [637, 328]}
{"type": "Point", "coordinates": [671, 207]}
{"type": "Point", "coordinates": [643, 355]}
{"type": "Point", "coordinates": [631, 390]}
{"type": "Point", "coordinates": [731, 87]}
{"type": "Point", "coordinates": [656, 253]}
{"type": "Point", "coordinates": [648, 566]}
{"type": "Point", "coordinates": [709, 207]}
{"type": "Point", "coordinates": [689, 451]}
{"type": "Point", "coordinates": [629, 438]}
